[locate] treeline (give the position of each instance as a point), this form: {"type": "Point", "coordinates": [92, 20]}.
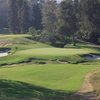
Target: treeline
{"type": "Point", "coordinates": [51, 22]}
{"type": "Point", "coordinates": [3, 13]}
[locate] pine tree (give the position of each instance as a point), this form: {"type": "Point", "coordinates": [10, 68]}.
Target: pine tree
{"type": "Point", "coordinates": [49, 15]}
{"type": "Point", "coordinates": [18, 16]}
{"type": "Point", "coordinates": [23, 13]}
{"type": "Point", "coordinates": [91, 19]}
{"type": "Point", "coordinates": [13, 17]}
{"type": "Point", "coordinates": [67, 20]}
{"type": "Point", "coordinates": [37, 16]}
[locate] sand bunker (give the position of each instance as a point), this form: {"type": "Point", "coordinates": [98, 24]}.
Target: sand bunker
{"type": "Point", "coordinates": [3, 54]}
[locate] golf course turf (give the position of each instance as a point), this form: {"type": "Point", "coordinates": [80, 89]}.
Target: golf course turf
{"type": "Point", "coordinates": [64, 77]}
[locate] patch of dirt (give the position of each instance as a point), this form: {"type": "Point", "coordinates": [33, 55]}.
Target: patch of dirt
{"type": "Point", "coordinates": [87, 86]}
{"type": "Point", "coordinates": [4, 44]}
{"type": "Point", "coordinates": [87, 89]}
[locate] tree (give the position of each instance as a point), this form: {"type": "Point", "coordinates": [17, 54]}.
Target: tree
{"type": "Point", "coordinates": [91, 18]}
{"type": "Point", "coordinates": [13, 17]}
{"type": "Point", "coordinates": [3, 13]}
{"type": "Point", "coordinates": [49, 15]}
{"type": "Point", "coordinates": [23, 15]}
{"type": "Point", "coordinates": [18, 16]}
{"type": "Point", "coordinates": [67, 20]}
{"type": "Point", "coordinates": [37, 16]}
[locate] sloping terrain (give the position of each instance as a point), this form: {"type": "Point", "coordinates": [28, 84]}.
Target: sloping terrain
{"type": "Point", "coordinates": [37, 70]}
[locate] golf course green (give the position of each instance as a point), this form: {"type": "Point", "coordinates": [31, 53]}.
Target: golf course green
{"type": "Point", "coordinates": [20, 65]}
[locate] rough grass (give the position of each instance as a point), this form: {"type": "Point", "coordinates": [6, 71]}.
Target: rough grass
{"type": "Point", "coordinates": [21, 42]}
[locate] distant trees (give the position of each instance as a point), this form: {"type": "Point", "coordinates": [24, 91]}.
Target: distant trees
{"type": "Point", "coordinates": [23, 14]}
{"type": "Point", "coordinates": [37, 15]}
{"type": "Point", "coordinates": [3, 13]}
{"type": "Point", "coordinates": [91, 19]}
{"type": "Point", "coordinates": [57, 22]}
{"type": "Point", "coordinates": [18, 16]}
{"type": "Point", "coordinates": [49, 15]}
{"type": "Point", "coordinates": [67, 19]}
{"type": "Point", "coordinates": [13, 17]}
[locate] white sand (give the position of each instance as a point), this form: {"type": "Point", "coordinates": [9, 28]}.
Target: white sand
{"type": "Point", "coordinates": [3, 54]}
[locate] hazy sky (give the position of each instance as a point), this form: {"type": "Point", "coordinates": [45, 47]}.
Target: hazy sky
{"type": "Point", "coordinates": [59, 0]}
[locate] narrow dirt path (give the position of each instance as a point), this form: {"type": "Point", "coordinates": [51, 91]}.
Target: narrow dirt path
{"type": "Point", "coordinates": [87, 89]}
{"type": "Point", "coordinates": [87, 86]}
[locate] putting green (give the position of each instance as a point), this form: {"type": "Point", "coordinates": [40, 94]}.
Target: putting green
{"type": "Point", "coordinates": [54, 52]}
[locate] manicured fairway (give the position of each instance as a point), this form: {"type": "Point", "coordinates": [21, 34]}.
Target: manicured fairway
{"type": "Point", "coordinates": [65, 77]}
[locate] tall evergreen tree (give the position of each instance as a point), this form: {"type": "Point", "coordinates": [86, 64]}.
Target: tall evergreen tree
{"type": "Point", "coordinates": [37, 16]}
{"type": "Point", "coordinates": [18, 16]}
{"type": "Point", "coordinates": [91, 18]}
{"type": "Point", "coordinates": [67, 20]}
{"type": "Point", "coordinates": [49, 15]}
{"type": "Point", "coordinates": [13, 17]}
{"type": "Point", "coordinates": [23, 14]}
{"type": "Point", "coordinates": [36, 13]}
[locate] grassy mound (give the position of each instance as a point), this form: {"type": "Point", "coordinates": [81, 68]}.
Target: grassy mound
{"type": "Point", "coordinates": [69, 55]}
{"type": "Point", "coordinates": [20, 42]}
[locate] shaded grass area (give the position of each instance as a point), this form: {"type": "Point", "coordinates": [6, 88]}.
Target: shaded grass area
{"type": "Point", "coordinates": [84, 44]}
{"type": "Point", "coordinates": [95, 62]}
{"type": "Point", "coordinates": [20, 90]}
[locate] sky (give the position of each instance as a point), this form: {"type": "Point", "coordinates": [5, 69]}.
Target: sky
{"type": "Point", "coordinates": [59, 0]}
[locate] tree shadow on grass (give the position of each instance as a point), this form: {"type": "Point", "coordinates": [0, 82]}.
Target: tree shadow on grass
{"type": "Point", "coordinates": [23, 91]}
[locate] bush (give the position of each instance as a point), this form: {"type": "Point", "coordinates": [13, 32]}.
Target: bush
{"type": "Point", "coordinates": [59, 44]}
{"type": "Point", "coordinates": [32, 31]}
{"type": "Point", "coordinates": [51, 38]}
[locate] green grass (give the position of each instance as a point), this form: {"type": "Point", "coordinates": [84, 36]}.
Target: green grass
{"type": "Point", "coordinates": [21, 42]}
{"type": "Point", "coordinates": [45, 53]}
{"type": "Point", "coordinates": [24, 48]}
{"type": "Point", "coordinates": [13, 36]}
{"type": "Point", "coordinates": [53, 76]}
{"type": "Point", "coordinates": [25, 79]}
{"type": "Point", "coordinates": [53, 52]}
